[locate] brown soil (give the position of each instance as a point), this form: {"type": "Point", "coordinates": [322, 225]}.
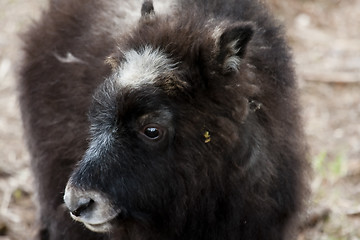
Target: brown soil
{"type": "Point", "coordinates": [325, 37]}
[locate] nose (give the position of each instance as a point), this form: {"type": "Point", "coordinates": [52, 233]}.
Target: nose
{"type": "Point", "coordinates": [91, 207]}
{"type": "Point", "coordinates": [81, 206]}
{"type": "Point", "coordinates": [77, 201]}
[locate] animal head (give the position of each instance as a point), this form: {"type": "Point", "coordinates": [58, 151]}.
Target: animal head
{"type": "Point", "coordinates": [167, 125]}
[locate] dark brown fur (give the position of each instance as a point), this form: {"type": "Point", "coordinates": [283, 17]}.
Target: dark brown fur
{"type": "Point", "coordinates": [217, 193]}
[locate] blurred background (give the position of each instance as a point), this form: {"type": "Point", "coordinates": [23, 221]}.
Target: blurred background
{"type": "Point", "coordinates": [325, 38]}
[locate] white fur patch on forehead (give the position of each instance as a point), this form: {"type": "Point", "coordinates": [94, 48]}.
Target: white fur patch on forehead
{"type": "Point", "coordinates": [143, 67]}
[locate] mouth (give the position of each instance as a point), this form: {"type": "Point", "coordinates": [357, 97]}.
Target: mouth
{"type": "Point", "coordinates": [97, 225]}
{"type": "Point", "coordinates": [102, 227]}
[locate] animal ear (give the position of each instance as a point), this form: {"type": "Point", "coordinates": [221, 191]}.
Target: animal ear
{"type": "Point", "coordinates": [232, 45]}
{"type": "Point", "coordinates": [147, 10]}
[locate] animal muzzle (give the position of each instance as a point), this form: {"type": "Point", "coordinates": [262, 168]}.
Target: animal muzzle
{"type": "Point", "coordinates": [92, 208]}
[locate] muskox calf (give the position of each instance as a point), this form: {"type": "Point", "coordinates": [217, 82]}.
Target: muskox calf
{"type": "Point", "coordinates": [167, 121]}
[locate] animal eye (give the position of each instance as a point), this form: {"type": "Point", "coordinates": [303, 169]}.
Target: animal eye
{"type": "Point", "coordinates": [153, 132]}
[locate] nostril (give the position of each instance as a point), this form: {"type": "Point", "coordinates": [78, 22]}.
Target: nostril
{"type": "Point", "coordinates": [82, 207]}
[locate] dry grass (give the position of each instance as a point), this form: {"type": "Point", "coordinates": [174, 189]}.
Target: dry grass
{"type": "Point", "coordinates": [325, 36]}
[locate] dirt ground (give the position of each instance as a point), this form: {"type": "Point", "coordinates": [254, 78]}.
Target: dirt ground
{"type": "Point", "coordinates": [325, 37]}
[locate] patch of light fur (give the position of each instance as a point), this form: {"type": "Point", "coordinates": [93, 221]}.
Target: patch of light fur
{"type": "Point", "coordinates": [218, 30]}
{"type": "Point", "coordinates": [164, 7]}
{"type": "Point", "coordinates": [143, 67]}
{"type": "Point", "coordinates": [69, 58]}
{"type": "Point", "coordinates": [99, 145]}
{"type": "Point", "coordinates": [233, 61]}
